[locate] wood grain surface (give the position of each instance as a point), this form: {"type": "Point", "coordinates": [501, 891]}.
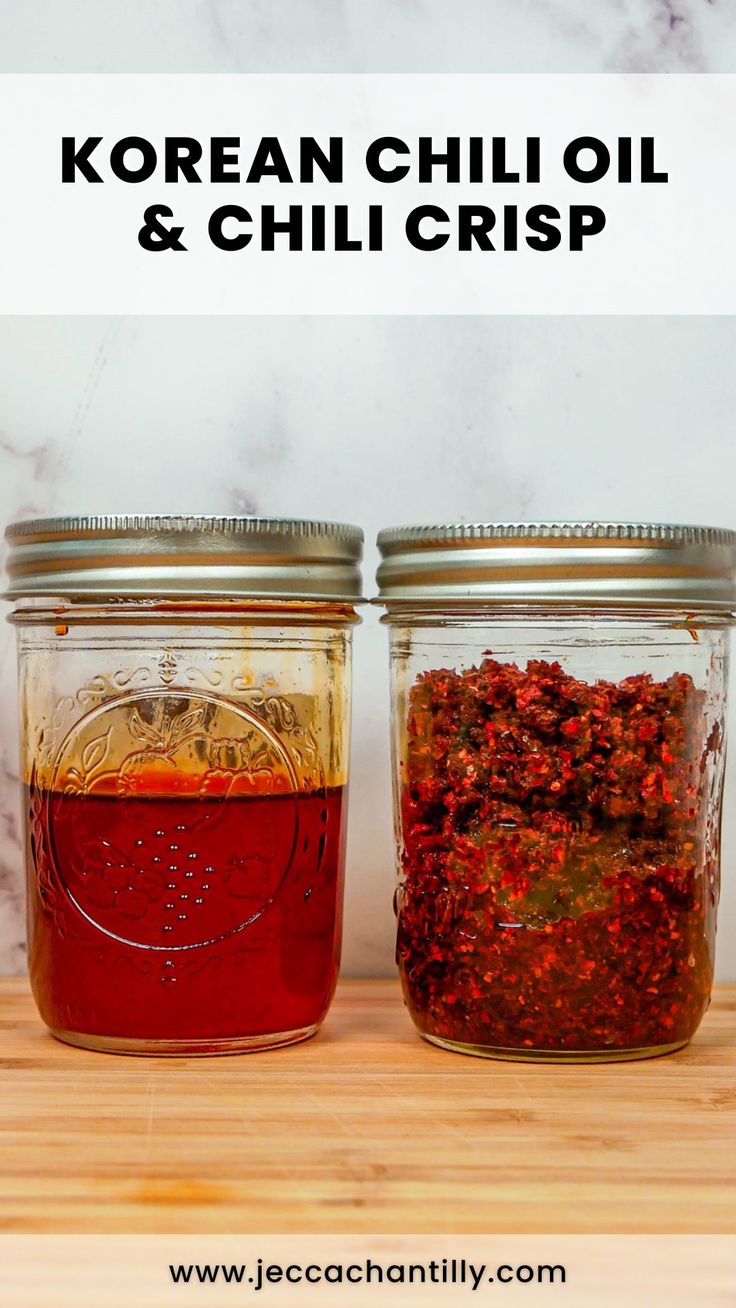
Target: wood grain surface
{"type": "Point", "coordinates": [364, 1129]}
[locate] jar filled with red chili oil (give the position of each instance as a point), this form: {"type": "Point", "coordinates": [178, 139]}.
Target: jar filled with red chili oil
{"type": "Point", "coordinates": [184, 688]}
{"type": "Point", "coordinates": [558, 735]}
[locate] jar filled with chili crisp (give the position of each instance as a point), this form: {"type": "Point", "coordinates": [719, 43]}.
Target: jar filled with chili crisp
{"type": "Point", "coordinates": [559, 694]}
{"type": "Point", "coordinates": [185, 698]}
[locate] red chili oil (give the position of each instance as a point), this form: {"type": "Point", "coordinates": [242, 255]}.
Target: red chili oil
{"type": "Point", "coordinates": [180, 919]}
{"type": "Point", "coordinates": [559, 879]}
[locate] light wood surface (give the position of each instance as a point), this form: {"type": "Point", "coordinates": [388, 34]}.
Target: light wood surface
{"type": "Point", "coordinates": [364, 1129]}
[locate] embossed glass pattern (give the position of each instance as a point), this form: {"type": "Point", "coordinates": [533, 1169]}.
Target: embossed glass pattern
{"type": "Point", "coordinates": [185, 779]}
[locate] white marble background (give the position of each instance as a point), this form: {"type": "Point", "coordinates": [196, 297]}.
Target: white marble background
{"type": "Point", "coordinates": [514, 36]}
{"type": "Point", "coordinates": [370, 420]}
{"type": "Point", "coordinates": [374, 421]}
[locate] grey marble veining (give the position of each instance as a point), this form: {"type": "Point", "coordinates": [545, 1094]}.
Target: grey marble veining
{"type": "Point", "coordinates": [383, 36]}
{"type": "Point", "coordinates": [373, 420]}
{"type": "Point", "coordinates": [376, 420]}
{"type": "Point", "coordinates": [646, 36]}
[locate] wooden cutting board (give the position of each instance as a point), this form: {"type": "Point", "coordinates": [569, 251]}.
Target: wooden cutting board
{"type": "Point", "coordinates": [364, 1129]}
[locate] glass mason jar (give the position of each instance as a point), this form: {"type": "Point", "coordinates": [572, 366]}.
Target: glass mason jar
{"type": "Point", "coordinates": [185, 700]}
{"type": "Point", "coordinates": [558, 740]}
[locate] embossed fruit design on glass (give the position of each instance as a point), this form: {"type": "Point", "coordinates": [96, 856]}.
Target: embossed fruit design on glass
{"type": "Point", "coordinates": [559, 743]}
{"type": "Point", "coordinates": [184, 757]}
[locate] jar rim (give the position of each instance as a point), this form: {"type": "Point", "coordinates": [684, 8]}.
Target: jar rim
{"type": "Point", "coordinates": [676, 533]}
{"type": "Point", "coordinates": [156, 555]}
{"type": "Point", "coordinates": [601, 565]}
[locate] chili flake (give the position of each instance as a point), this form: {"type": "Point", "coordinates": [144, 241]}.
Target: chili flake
{"type": "Point", "coordinates": [557, 880]}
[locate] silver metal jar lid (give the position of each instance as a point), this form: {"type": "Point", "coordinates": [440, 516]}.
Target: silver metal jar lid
{"type": "Point", "coordinates": [612, 565]}
{"type": "Point", "coordinates": [173, 556]}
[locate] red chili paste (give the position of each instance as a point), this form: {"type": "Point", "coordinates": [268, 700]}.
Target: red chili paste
{"type": "Point", "coordinates": [557, 888]}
